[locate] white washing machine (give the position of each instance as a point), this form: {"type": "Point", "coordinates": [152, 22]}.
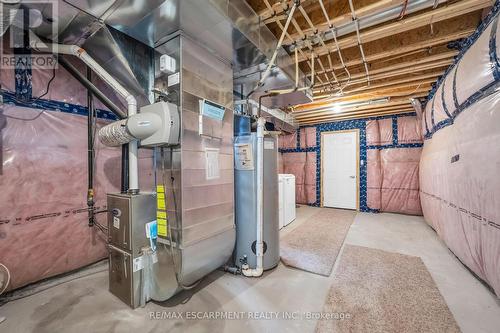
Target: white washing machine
{"type": "Point", "coordinates": [286, 199]}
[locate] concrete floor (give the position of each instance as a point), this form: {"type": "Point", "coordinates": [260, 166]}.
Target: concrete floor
{"type": "Point", "coordinates": [86, 305]}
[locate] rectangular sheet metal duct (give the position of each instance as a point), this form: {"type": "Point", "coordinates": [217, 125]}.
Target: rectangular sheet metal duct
{"type": "Point", "coordinates": [211, 23]}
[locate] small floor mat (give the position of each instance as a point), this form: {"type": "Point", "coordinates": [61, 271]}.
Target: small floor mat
{"type": "Point", "coordinates": [380, 291]}
{"type": "Point", "coordinates": [314, 245]}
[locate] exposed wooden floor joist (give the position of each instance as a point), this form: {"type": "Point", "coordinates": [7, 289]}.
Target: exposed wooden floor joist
{"type": "Point", "coordinates": [404, 57]}
{"type": "Point", "coordinates": [386, 30]}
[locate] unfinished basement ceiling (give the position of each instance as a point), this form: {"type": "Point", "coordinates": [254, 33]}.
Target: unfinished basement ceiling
{"type": "Point", "coordinates": [407, 45]}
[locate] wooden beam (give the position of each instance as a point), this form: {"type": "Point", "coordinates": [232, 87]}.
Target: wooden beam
{"type": "Point", "coordinates": [411, 22]}
{"type": "Point", "coordinates": [419, 78]}
{"type": "Point", "coordinates": [344, 114]}
{"type": "Point", "coordinates": [329, 109]}
{"type": "Point", "coordinates": [429, 43]}
{"type": "Point", "coordinates": [415, 65]}
{"type": "Point", "coordinates": [351, 112]}
{"type": "Point", "coordinates": [277, 9]}
{"type": "Point", "coordinates": [357, 116]}
{"type": "Point", "coordinates": [431, 77]}
{"type": "Point", "coordinates": [397, 91]}
{"type": "Point", "coordinates": [421, 60]}
{"type": "Point", "coordinates": [359, 78]}
{"type": "Point", "coordinates": [411, 80]}
{"type": "Point", "coordinates": [346, 18]}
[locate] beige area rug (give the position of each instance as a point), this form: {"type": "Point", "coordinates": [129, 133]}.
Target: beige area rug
{"type": "Point", "coordinates": [384, 292]}
{"type": "Point", "coordinates": [314, 245]}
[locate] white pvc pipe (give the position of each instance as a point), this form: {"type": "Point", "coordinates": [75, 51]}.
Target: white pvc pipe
{"type": "Point", "coordinates": [259, 248]}
{"type": "Point", "coordinates": [77, 51]}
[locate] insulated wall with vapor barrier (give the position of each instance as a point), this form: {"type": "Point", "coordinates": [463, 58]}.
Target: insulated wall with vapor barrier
{"type": "Point", "coordinates": [43, 174]}
{"type": "Point", "coordinates": [389, 153]}
{"type": "Point", "coordinates": [459, 183]}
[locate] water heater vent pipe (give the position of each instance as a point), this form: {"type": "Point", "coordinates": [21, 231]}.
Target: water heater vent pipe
{"type": "Point", "coordinates": [38, 45]}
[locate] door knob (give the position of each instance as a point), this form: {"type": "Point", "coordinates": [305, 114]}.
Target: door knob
{"type": "Point", "coordinates": [352, 177]}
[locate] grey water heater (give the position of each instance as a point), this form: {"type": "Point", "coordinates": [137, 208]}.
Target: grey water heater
{"type": "Point", "coordinates": [245, 184]}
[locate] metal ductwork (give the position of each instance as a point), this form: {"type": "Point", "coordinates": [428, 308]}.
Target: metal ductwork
{"type": "Point", "coordinates": [254, 45]}
{"type": "Point", "coordinates": [96, 26]}
{"type": "Point", "coordinates": [129, 62]}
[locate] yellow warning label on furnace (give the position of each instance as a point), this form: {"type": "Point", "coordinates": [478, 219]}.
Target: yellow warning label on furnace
{"type": "Point", "coordinates": [162, 227]}
{"type": "Point", "coordinates": [161, 203]}
{"type": "Point", "coordinates": [160, 196]}
{"type": "Point", "coordinates": [161, 214]}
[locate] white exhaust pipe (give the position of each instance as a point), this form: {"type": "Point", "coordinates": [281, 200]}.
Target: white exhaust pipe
{"type": "Point", "coordinates": [77, 51]}
{"type": "Point", "coordinates": [259, 247]}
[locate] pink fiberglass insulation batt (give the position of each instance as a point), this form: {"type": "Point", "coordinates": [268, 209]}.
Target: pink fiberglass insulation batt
{"type": "Point", "coordinates": [294, 163]}
{"type": "Point", "coordinates": [372, 133]}
{"type": "Point", "coordinates": [400, 188]}
{"type": "Point", "coordinates": [288, 141]}
{"type": "Point", "coordinates": [461, 188]}
{"type": "Point", "coordinates": [307, 137]}
{"type": "Point", "coordinates": [409, 130]}
{"type": "Point", "coordinates": [65, 88]}
{"type": "Point", "coordinates": [43, 199]}
{"type": "Point", "coordinates": [392, 173]}
{"type": "Point", "coordinates": [310, 177]}
{"type": "Point", "coordinates": [373, 178]}
{"type": "Point", "coordinates": [392, 180]}
{"type": "Point", "coordinates": [303, 166]}
{"type": "Point", "coordinates": [385, 128]}
{"type": "Point", "coordinates": [379, 132]}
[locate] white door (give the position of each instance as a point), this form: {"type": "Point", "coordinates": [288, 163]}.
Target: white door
{"type": "Point", "coordinates": [340, 169]}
